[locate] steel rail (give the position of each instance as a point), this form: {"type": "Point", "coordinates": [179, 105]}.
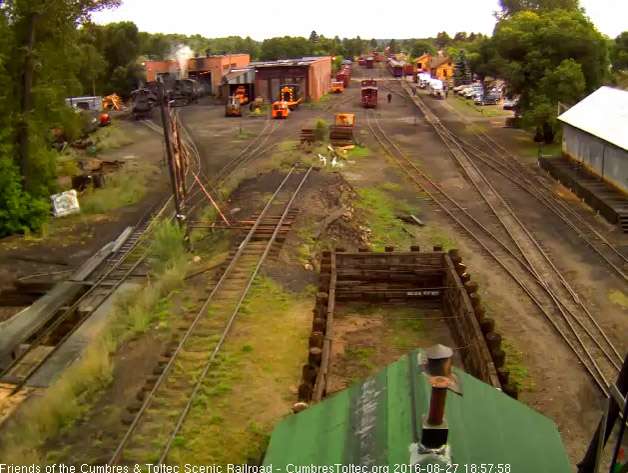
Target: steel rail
{"type": "Point", "coordinates": [445, 135]}
{"type": "Point", "coordinates": [116, 457]}
{"type": "Point", "coordinates": [225, 332]}
{"type": "Point", "coordinates": [559, 302]}
{"type": "Point", "coordinates": [602, 383]}
{"type": "Point", "coordinates": [442, 130]}
{"type": "Point", "coordinates": [548, 197]}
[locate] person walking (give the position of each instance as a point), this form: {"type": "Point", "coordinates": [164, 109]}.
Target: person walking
{"type": "Point", "coordinates": [389, 96]}
{"type": "Point", "coordinates": [446, 92]}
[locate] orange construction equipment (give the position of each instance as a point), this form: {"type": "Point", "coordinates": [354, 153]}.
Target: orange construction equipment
{"type": "Point", "coordinates": [281, 109]}
{"type": "Point", "coordinates": [337, 87]}
{"type": "Point", "coordinates": [241, 94]}
{"type": "Point", "coordinates": [290, 93]}
{"type": "Point", "coordinates": [233, 108]}
{"type": "Point", "coordinates": [341, 132]}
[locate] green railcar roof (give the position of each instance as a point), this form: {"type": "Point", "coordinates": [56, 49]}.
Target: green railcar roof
{"type": "Point", "coordinates": [371, 423]}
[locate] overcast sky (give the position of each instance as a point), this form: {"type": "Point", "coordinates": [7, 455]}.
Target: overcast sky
{"type": "Point", "coordinates": [345, 18]}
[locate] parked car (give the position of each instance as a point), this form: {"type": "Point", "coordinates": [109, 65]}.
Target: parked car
{"type": "Point", "coordinates": [510, 104]}
{"type": "Point", "coordinates": [489, 99]}
{"type": "Point", "coordinates": [473, 93]}
{"type": "Point", "coordinates": [465, 90]}
{"type": "Point", "coordinates": [458, 88]}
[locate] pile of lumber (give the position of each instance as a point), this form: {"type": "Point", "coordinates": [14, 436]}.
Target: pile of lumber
{"type": "Point", "coordinates": [341, 135]}
{"type": "Point", "coordinates": [112, 102]}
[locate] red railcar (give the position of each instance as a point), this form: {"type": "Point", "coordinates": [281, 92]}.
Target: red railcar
{"type": "Point", "coordinates": [345, 76]}
{"type": "Point", "coordinates": [369, 93]}
{"type": "Point", "coordinates": [362, 61]}
{"type": "Point", "coordinates": [408, 70]}
{"type": "Point", "coordinates": [370, 62]}
{"type": "Point", "coordinates": [395, 67]}
{"type": "Point", "coordinates": [377, 56]}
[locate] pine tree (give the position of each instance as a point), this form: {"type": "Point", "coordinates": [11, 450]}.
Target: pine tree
{"type": "Point", "coordinates": [461, 72]}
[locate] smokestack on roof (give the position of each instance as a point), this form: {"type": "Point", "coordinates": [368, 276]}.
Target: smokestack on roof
{"type": "Point", "coordinates": [435, 429]}
{"type": "Point", "coordinates": [439, 360]}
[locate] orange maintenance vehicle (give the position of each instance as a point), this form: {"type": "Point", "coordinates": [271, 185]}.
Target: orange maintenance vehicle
{"type": "Point", "coordinates": [337, 86]}
{"type": "Point", "coordinates": [281, 109]}
{"type": "Point", "coordinates": [241, 95]}
{"type": "Point", "coordinates": [233, 107]}
{"type": "Point", "coordinates": [290, 93]}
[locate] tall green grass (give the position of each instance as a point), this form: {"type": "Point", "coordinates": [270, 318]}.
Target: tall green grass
{"type": "Point", "coordinates": [73, 394]}
{"type": "Point", "coordinates": [126, 187]}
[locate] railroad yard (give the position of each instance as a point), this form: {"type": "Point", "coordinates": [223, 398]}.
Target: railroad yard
{"type": "Point", "coordinates": [247, 328]}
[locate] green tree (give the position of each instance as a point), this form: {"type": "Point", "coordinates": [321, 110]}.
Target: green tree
{"type": "Point", "coordinates": [619, 52]}
{"type": "Point", "coordinates": [512, 7]}
{"type": "Point", "coordinates": [418, 47]}
{"type": "Point", "coordinates": [548, 57]}
{"type": "Point", "coordinates": [374, 43]}
{"type": "Point", "coordinates": [394, 46]}
{"type": "Point", "coordinates": [41, 58]}
{"type": "Point", "coordinates": [442, 40]}
{"type": "Point", "coordinates": [313, 37]}
{"type": "Point", "coordinates": [461, 36]}
{"type": "Point", "coordinates": [461, 72]}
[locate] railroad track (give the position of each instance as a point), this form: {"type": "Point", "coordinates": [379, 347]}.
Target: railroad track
{"type": "Point", "coordinates": [185, 372]}
{"type": "Point", "coordinates": [504, 163]}
{"type": "Point", "coordinates": [527, 263]}
{"type": "Point", "coordinates": [128, 259]}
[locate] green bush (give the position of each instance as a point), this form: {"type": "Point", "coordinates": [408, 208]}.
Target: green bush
{"type": "Point", "coordinates": [320, 131]}
{"type": "Point", "coordinates": [168, 246]}
{"type": "Point", "coordinates": [19, 211]}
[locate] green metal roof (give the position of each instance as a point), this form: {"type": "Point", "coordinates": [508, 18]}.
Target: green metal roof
{"type": "Point", "coordinates": [371, 424]}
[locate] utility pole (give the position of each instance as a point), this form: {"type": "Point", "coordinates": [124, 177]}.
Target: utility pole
{"type": "Point", "coordinates": [165, 123]}
{"type": "Point", "coordinates": [26, 104]}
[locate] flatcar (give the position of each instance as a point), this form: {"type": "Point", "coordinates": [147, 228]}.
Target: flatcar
{"type": "Point", "coordinates": [369, 93]}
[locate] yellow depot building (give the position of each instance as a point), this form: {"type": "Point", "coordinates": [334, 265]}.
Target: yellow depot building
{"type": "Point", "coordinates": [439, 67]}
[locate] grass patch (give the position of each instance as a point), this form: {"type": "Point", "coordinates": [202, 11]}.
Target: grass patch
{"type": "Point", "coordinates": [619, 298]}
{"type": "Point", "coordinates": [437, 236]}
{"type": "Point", "coordinates": [126, 187]}
{"type": "Point", "coordinates": [390, 186]}
{"type": "Point", "coordinates": [249, 388]}
{"type": "Point", "coordinates": [167, 244]}
{"type": "Point", "coordinates": [110, 137]}
{"type": "Point", "coordinates": [289, 153]}
{"type": "Point", "coordinates": [382, 220]}
{"type": "Point", "coordinates": [242, 134]}
{"type": "Point", "coordinates": [519, 374]}
{"type": "Point", "coordinates": [359, 152]}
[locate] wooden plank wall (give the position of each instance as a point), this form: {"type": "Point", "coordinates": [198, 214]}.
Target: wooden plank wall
{"type": "Point", "coordinates": [465, 329]}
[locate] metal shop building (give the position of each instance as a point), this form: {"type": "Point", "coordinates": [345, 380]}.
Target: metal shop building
{"type": "Point", "coordinates": [595, 133]}
{"type": "Point", "coordinates": [208, 70]}
{"type": "Point", "coordinates": [313, 74]}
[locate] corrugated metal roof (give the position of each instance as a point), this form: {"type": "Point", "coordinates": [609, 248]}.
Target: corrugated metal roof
{"type": "Point", "coordinates": [371, 424]}
{"type": "Point", "coordinates": [289, 62]}
{"type": "Point", "coordinates": [241, 76]}
{"type": "Point", "coordinates": [604, 114]}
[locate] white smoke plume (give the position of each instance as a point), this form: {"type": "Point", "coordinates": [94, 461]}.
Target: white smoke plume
{"type": "Point", "coordinates": [182, 54]}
